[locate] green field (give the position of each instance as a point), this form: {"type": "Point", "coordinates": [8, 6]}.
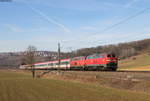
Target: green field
{"type": "Point", "coordinates": [141, 61]}
{"type": "Point", "coordinates": [21, 87]}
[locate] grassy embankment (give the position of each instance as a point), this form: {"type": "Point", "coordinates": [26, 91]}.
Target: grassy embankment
{"type": "Point", "coordinates": [21, 87]}
{"type": "Point", "coordinates": [140, 62]}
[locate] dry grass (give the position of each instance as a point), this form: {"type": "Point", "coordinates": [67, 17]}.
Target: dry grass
{"type": "Point", "coordinates": [141, 62]}
{"type": "Point", "coordinates": [126, 81]}
{"type": "Point", "coordinates": [21, 87]}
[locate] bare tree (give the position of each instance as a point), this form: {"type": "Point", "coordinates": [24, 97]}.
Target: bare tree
{"type": "Point", "coordinates": [30, 58]}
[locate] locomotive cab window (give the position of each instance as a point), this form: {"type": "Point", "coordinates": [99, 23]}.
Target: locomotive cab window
{"type": "Point", "coordinates": [108, 55]}
{"type": "Point", "coordinates": [113, 55]}
{"type": "Point", "coordinates": [64, 62]}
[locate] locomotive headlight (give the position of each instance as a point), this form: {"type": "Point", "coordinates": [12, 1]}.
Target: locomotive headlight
{"type": "Point", "coordinates": [108, 60]}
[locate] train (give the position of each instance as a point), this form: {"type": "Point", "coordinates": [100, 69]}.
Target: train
{"type": "Point", "coordinates": [103, 61]}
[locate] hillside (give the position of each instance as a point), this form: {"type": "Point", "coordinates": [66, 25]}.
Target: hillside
{"type": "Point", "coordinates": [122, 50]}
{"type": "Point", "coordinates": [139, 62]}
{"type": "Point", "coordinates": [14, 59]}
{"type": "Point", "coordinates": [21, 87]}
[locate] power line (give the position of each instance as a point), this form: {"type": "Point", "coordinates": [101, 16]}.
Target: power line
{"type": "Point", "coordinates": [123, 21]}
{"type": "Point", "coordinates": [116, 24]}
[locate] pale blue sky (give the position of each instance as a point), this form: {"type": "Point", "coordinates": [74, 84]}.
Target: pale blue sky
{"type": "Point", "coordinates": [74, 23]}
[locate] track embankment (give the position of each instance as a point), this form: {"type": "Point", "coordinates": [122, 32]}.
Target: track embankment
{"type": "Point", "coordinates": [128, 80]}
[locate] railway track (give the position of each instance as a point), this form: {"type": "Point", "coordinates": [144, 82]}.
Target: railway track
{"type": "Point", "coordinates": [113, 75]}
{"type": "Point", "coordinates": [133, 71]}
{"type": "Point", "coordinates": [121, 71]}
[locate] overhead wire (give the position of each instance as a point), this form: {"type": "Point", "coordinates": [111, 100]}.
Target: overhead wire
{"type": "Point", "coordinates": [111, 26]}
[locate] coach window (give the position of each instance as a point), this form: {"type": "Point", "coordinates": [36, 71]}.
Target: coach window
{"type": "Point", "coordinates": [56, 63]}
{"type": "Point", "coordinates": [67, 62]}
{"type": "Point", "coordinates": [63, 62]}
{"type": "Point", "coordinates": [50, 64]}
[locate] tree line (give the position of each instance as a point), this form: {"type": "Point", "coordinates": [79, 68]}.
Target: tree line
{"type": "Point", "coordinates": [122, 50]}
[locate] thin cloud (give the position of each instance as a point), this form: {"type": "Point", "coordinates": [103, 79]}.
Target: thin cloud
{"type": "Point", "coordinates": [14, 28]}
{"type": "Point", "coordinates": [131, 2]}
{"type": "Point", "coordinates": [50, 20]}
{"type": "Point", "coordinates": [44, 16]}
{"type": "Point", "coordinates": [79, 5]}
{"type": "Point", "coordinates": [89, 28]}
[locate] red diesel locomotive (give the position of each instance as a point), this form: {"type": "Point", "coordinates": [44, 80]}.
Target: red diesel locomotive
{"type": "Point", "coordinates": [95, 62]}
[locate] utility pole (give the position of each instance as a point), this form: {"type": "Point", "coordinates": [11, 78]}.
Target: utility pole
{"type": "Point", "coordinates": [58, 55]}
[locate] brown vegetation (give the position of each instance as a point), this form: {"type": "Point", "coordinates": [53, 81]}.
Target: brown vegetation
{"type": "Point", "coordinates": [123, 50]}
